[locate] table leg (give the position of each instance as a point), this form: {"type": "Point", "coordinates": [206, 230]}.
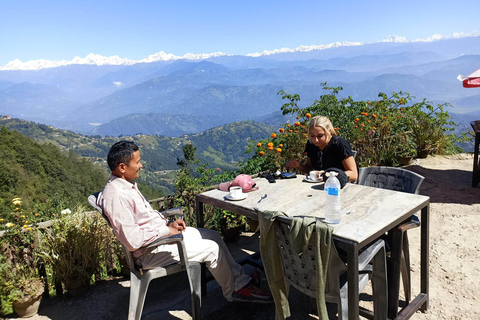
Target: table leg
{"type": "Point", "coordinates": [352, 274]}
{"type": "Point", "coordinates": [475, 161]}
{"type": "Point", "coordinates": [394, 273]}
{"type": "Point", "coordinates": [425, 253]}
{"type": "Point", "coordinates": [200, 213]}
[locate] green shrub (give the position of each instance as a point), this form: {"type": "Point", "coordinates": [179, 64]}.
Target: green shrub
{"type": "Point", "coordinates": [380, 131]}
{"type": "Point", "coordinates": [74, 246]}
{"type": "Point", "coordinates": [18, 257]}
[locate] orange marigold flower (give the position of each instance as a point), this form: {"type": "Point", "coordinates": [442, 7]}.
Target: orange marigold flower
{"type": "Point", "coordinates": [361, 129]}
{"type": "Point", "coordinates": [368, 121]}
{"type": "Point", "coordinates": [279, 150]}
{"type": "Point", "coordinates": [259, 145]}
{"type": "Point", "coordinates": [36, 214]}
{"type": "Point", "coordinates": [281, 130]}
{"type": "Point", "coordinates": [368, 102]}
{"type": "Point", "coordinates": [298, 117]}
{"type": "Point", "coordinates": [288, 125]}
{"type": "Point", "coordinates": [290, 130]}
{"type": "Point", "coordinates": [293, 149]}
{"type": "Point", "coordinates": [355, 126]}
{"type": "Point", "coordinates": [356, 119]}
{"type": "Point", "coordinates": [280, 145]}
{"type": "Point", "coordinates": [273, 135]}
{"type": "Point", "coordinates": [286, 134]}
{"type": "Point", "coordinates": [374, 128]}
{"type": "Point", "coordinates": [374, 115]}
{"type": "Point", "coordinates": [270, 144]}
{"type": "Point", "coordinates": [270, 148]}
{"type": "Point", "coordinates": [261, 153]}
{"type": "Point", "coordinates": [363, 125]}
{"type": "Point", "coordinates": [308, 115]}
{"type": "Point", "coordinates": [296, 131]}
{"type": "Point", "coordinates": [400, 101]}
{"type": "Point", "coordinates": [297, 123]}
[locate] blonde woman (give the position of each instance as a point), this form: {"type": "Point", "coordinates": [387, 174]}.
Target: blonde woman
{"type": "Point", "coordinates": [326, 150]}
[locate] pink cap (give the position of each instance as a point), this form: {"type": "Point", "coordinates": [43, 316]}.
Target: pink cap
{"type": "Point", "coordinates": [242, 180]}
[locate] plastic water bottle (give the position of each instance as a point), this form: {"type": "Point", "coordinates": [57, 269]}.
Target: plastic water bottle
{"type": "Point", "coordinates": [333, 208]}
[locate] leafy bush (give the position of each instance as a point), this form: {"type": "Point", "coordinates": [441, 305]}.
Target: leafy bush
{"type": "Point", "coordinates": [380, 131]}
{"type": "Point", "coordinates": [18, 259]}
{"type": "Point", "coordinates": [73, 246]}
{"type": "Point", "coordinates": [193, 178]}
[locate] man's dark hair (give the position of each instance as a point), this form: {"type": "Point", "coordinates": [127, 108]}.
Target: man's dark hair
{"type": "Point", "coordinates": [121, 152]}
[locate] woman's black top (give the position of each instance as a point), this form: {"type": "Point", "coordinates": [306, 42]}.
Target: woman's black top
{"type": "Point", "coordinates": [337, 150]}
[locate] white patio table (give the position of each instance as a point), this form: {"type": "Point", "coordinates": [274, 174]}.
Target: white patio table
{"type": "Point", "coordinates": [374, 211]}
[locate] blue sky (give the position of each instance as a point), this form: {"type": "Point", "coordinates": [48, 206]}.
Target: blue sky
{"type": "Point", "coordinates": [134, 29]}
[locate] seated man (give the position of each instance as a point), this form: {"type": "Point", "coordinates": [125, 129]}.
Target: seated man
{"type": "Point", "coordinates": [136, 224]}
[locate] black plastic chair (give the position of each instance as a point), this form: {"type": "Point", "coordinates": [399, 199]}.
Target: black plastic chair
{"type": "Point", "coordinates": [399, 259]}
{"type": "Point", "coordinates": [140, 279]}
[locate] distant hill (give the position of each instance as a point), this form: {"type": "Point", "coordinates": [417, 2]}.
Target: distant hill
{"type": "Point", "coordinates": [39, 173]}
{"type": "Point", "coordinates": [221, 147]}
{"type": "Point", "coordinates": [157, 124]}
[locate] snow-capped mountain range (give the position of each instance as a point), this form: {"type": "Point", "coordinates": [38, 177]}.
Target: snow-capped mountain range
{"type": "Point", "coordinates": [96, 59]}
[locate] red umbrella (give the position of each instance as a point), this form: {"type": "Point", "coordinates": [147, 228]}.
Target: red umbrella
{"type": "Point", "coordinates": [472, 80]}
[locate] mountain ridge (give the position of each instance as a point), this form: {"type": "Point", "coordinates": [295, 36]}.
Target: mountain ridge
{"type": "Point", "coordinates": [96, 59]}
{"type": "Point", "coordinates": [233, 88]}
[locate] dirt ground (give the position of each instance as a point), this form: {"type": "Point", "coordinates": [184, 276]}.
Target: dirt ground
{"type": "Point", "coordinates": [454, 264]}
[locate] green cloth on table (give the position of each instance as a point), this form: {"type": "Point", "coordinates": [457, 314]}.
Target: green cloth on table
{"type": "Point", "coordinates": [301, 230]}
{"type": "Point", "coordinates": [272, 262]}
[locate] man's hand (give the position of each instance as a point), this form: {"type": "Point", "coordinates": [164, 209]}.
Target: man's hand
{"type": "Point", "coordinates": [176, 227]}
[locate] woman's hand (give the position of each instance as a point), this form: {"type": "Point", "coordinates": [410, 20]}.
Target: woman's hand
{"type": "Point", "coordinates": [350, 168]}
{"type": "Point", "coordinates": [292, 164]}
{"type": "Point", "coordinates": [304, 167]}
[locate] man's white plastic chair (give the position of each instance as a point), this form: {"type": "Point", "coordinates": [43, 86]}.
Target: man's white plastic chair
{"type": "Point", "coordinates": [140, 279]}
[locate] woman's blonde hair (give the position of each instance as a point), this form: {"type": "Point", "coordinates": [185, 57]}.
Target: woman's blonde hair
{"type": "Point", "coordinates": [324, 123]}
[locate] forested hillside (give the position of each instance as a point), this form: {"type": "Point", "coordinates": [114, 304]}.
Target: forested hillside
{"type": "Point", "coordinates": [40, 173]}
{"type": "Point", "coordinates": [45, 177]}
{"type": "Point", "coordinates": [221, 147]}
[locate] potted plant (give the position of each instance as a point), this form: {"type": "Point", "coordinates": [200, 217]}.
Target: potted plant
{"type": "Point", "coordinates": [429, 128]}
{"type": "Point", "coordinates": [229, 224]}
{"type": "Point", "coordinates": [73, 246]}
{"type": "Point", "coordinates": [20, 285]}
{"type": "Point", "coordinates": [406, 151]}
